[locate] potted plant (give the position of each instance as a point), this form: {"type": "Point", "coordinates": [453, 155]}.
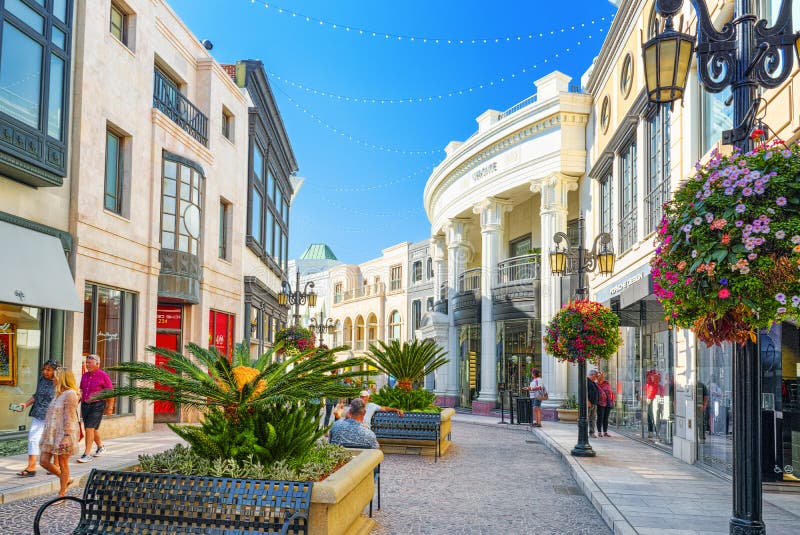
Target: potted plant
{"type": "Point", "coordinates": [728, 245]}
{"type": "Point", "coordinates": [294, 340]}
{"type": "Point", "coordinates": [583, 331]}
{"type": "Point", "coordinates": [259, 421]}
{"type": "Point", "coordinates": [409, 363]}
{"type": "Point", "coordinates": [568, 412]}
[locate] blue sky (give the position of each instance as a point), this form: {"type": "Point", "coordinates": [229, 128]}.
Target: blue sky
{"type": "Point", "coordinates": [366, 163]}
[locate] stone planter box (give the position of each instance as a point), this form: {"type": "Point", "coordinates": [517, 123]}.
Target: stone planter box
{"type": "Point", "coordinates": [422, 447]}
{"type": "Point", "coordinates": [338, 502]}
{"type": "Point", "coordinates": [567, 415]}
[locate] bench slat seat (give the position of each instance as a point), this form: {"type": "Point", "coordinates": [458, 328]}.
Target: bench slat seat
{"type": "Point", "coordinates": [141, 503]}
{"type": "Point", "coordinates": [410, 426]}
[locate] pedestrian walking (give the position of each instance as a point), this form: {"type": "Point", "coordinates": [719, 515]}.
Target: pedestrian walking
{"type": "Point", "coordinates": [61, 433]}
{"type": "Point", "coordinates": [536, 391]}
{"type": "Point", "coordinates": [593, 397]}
{"type": "Point", "coordinates": [39, 401]}
{"type": "Point", "coordinates": [93, 382]}
{"type": "Point", "coordinates": [605, 403]}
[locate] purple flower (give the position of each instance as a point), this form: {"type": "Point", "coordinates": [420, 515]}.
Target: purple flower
{"type": "Point", "coordinates": [747, 191]}
{"type": "Point", "coordinates": [768, 155]}
{"type": "Point", "coordinates": [796, 239]}
{"type": "Point", "coordinates": [787, 153]}
{"type": "Point", "coordinates": [780, 234]}
{"type": "Point", "coordinates": [724, 282]}
{"type": "Point", "coordinates": [694, 253]}
{"type": "Point", "coordinates": [729, 191]}
{"type": "Point", "coordinates": [752, 256]}
{"type": "Point", "coordinates": [780, 201]}
{"type": "Point", "coordinates": [697, 221]}
{"type": "Point", "coordinates": [781, 310]}
{"type": "Point", "coordinates": [795, 301]}
{"type": "Point", "coordinates": [740, 208]}
{"type": "Point", "coordinates": [709, 217]}
{"type": "Point", "coordinates": [780, 298]}
{"type": "Point", "coordinates": [759, 190]}
{"type": "Point", "coordinates": [739, 223]}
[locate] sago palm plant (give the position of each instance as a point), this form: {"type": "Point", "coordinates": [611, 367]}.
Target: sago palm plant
{"type": "Point", "coordinates": [407, 362]}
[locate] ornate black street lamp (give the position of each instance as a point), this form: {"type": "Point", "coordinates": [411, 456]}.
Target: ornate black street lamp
{"type": "Point", "coordinates": [582, 261]}
{"type": "Point", "coordinates": [323, 326]}
{"type": "Point", "coordinates": [744, 55]}
{"type": "Point", "coordinates": [287, 297]}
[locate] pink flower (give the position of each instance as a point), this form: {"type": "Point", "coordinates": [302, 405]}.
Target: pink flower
{"type": "Point", "coordinates": [724, 293]}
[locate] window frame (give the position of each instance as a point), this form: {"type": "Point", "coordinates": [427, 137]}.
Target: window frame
{"type": "Point", "coordinates": [225, 249]}
{"type": "Point", "coordinates": [658, 170]}
{"type": "Point", "coordinates": [396, 277]}
{"type": "Point", "coordinates": [628, 210]}
{"type": "Point", "coordinates": [228, 124]}
{"type": "Point", "coordinates": [197, 176]}
{"type": "Point", "coordinates": [395, 325]}
{"type": "Point", "coordinates": [123, 30]}
{"type": "Point", "coordinates": [606, 212]}
{"type": "Point", "coordinates": [416, 271]}
{"type": "Point", "coordinates": [120, 173]}
{"type": "Point", "coordinates": [50, 154]}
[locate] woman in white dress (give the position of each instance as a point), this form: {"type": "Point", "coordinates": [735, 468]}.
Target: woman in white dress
{"type": "Point", "coordinates": [61, 429]}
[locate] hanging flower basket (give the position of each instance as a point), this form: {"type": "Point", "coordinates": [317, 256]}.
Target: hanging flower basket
{"type": "Point", "coordinates": [728, 245]}
{"type": "Point", "coordinates": [296, 339]}
{"type": "Point", "coordinates": [583, 330]}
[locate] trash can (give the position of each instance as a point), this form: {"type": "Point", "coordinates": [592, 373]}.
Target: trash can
{"type": "Point", "coordinates": [524, 410]}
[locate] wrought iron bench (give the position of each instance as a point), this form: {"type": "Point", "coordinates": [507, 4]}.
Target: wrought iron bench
{"type": "Point", "coordinates": [410, 426]}
{"type": "Point", "coordinates": [134, 502]}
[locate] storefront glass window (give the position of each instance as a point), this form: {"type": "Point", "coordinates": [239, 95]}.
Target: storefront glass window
{"type": "Point", "coordinates": [519, 350]}
{"type": "Point", "coordinates": [713, 406]}
{"type": "Point", "coordinates": [469, 338]}
{"type": "Point", "coordinates": [20, 361]}
{"type": "Point", "coordinates": [109, 331]}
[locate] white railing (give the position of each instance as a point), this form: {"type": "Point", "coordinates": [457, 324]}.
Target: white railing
{"type": "Point", "coordinates": [357, 293]}
{"type": "Point", "coordinates": [469, 280]}
{"type": "Point", "coordinates": [518, 106]}
{"type": "Point", "coordinates": [519, 268]}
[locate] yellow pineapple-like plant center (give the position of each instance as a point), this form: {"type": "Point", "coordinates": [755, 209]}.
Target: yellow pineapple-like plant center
{"type": "Point", "coordinates": [404, 384]}
{"type": "Point", "coordinates": [243, 375]}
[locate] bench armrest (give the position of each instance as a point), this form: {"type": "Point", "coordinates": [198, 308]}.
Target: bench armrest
{"type": "Point", "coordinates": [288, 521]}
{"type": "Point", "coordinates": [45, 505]}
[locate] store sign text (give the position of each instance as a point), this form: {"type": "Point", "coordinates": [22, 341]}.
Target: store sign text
{"type": "Point", "coordinates": [614, 290]}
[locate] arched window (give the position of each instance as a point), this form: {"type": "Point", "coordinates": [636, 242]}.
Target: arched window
{"type": "Point", "coordinates": [372, 329]}
{"type": "Point", "coordinates": [394, 325]}
{"type": "Point", "coordinates": [347, 335]}
{"type": "Point", "coordinates": [359, 332]}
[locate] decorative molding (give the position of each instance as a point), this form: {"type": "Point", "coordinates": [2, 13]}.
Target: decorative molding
{"type": "Point", "coordinates": [491, 212]}
{"type": "Point", "coordinates": [554, 189]}
{"type": "Point", "coordinates": [64, 236]}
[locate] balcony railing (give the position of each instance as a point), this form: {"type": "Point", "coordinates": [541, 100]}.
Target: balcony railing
{"type": "Point", "coordinates": [654, 205]}
{"type": "Point", "coordinates": [469, 280]}
{"type": "Point", "coordinates": [443, 291]}
{"type": "Point", "coordinates": [627, 231]}
{"type": "Point", "coordinates": [169, 100]}
{"type": "Point", "coordinates": [357, 293]}
{"type": "Point", "coordinates": [519, 268]}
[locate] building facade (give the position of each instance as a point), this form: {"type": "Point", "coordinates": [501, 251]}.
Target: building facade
{"type": "Point", "coordinates": [674, 391]}
{"type": "Point", "coordinates": [494, 204]}
{"type": "Point", "coordinates": [38, 297]}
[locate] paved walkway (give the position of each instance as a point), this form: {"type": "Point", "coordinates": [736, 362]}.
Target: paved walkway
{"type": "Point", "coordinates": [639, 489]}
{"type": "Point", "coordinates": [122, 454]}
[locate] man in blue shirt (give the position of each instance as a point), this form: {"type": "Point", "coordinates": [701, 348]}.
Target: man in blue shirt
{"type": "Point", "coordinates": [350, 431]}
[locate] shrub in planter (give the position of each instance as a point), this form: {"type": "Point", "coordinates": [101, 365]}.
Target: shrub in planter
{"type": "Point", "coordinates": [728, 246]}
{"type": "Point", "coordinates": [256, 411]}
{"type": "Point", "coordinates": [417, 400]}
{"type": "Point", "coordinates": [570, 404]}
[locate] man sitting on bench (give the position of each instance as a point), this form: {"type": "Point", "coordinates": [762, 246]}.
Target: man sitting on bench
{"type": "Point", "coordinates": [350, 431]}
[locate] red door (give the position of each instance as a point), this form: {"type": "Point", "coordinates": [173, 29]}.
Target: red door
{"type": "Point", "coordinates": [168, 336]}
{"type": "Point", "coordinates": [220, 332]}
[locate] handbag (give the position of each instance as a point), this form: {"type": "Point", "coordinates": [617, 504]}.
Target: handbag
{"type": "Point", "coordinates": [542, 394]}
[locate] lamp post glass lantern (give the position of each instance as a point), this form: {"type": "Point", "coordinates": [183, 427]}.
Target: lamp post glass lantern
{"type": "Point", "coordinates": [287, 297]}
{"type": "Point", "coordinates": [745, 55]}
{"type": "Point", "coordinates": [582, 262]}
{"type": "Point", "coordinates": [322, 326]}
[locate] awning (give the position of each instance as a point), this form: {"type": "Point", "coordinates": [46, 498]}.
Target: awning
{"type": "Point", "coordinates": [34, 270]}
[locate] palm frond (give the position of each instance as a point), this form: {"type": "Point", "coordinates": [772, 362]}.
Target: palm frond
{"type": "Point", "coordinates": [409, 361]}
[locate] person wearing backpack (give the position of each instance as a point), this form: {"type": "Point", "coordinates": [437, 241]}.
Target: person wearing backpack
{"type": "Point", "coordinates": [537, 392]}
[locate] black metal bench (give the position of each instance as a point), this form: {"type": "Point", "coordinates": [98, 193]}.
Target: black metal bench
{"type": "Point", "coordinates": [410, 426]}
{"type": "Point", "coordinates": [134, 502]}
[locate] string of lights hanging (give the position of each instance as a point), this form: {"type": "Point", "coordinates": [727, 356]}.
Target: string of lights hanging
{"type": "Point", "coordinates": [401, 214]}
{"type": "Point", "coordinates": [356, 140]}
{"type": "Point", "coordinates": [416, 39]}
{"type": "Point", "coordinates": [424, 171]}
{"type": "Point", "coordinates": [439, 96]}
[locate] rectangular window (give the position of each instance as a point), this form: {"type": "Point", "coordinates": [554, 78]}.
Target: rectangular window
{"type": "Point", "coordinates": [416, 314]}
{"type": "Point", "coordinates": [606, 203]}
{"type": "Point", "coordinates": [119, 20]}
{"type": "Point", "coordinates": [430, 268]}
{"type": "Point", "coordinates": [109, 331]}
{"type": "Point", "coordinates": [114, 173]}
{"type": "Point", "coordinates": [658, 176]}
{"type": "Point", "coordinates": [224, 232]}
{"type": "Point", "coordinates": [429, 304]}
{"type": "Point", "coordinates": [396, 279]}
{"type": "Point", "coordinates": [716, 117]}
{"type": "Point", "coordinates": [258, 163]}
{"type": "Point", "coordinates": [255, 217]}
{"type": "Point", "coordinates": [416, 274]}
{"type": "Point", "coordinates": [227, 124]}
{"type": "Point", "coordinates": [627, 198]}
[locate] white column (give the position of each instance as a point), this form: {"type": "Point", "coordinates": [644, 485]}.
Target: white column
{"type": "Point", "coordinates": [439, 257]}
{"type": "Point", "coordinates": [458, 253]}
{"type": "Point", "coordinates": [491, 213]}
{"type": "Point", "coordinates": [553, 218]}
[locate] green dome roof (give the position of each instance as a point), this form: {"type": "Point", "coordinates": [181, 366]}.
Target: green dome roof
{"type": "Point", "coordinates": [318, 251]}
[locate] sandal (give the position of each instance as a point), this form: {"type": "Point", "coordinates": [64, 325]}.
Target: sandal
{"type": "Point", "coordinates": [26, 473]}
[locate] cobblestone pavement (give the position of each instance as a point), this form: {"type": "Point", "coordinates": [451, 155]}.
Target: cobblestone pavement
{"type": "Point", "coordinates": [491, 481]}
